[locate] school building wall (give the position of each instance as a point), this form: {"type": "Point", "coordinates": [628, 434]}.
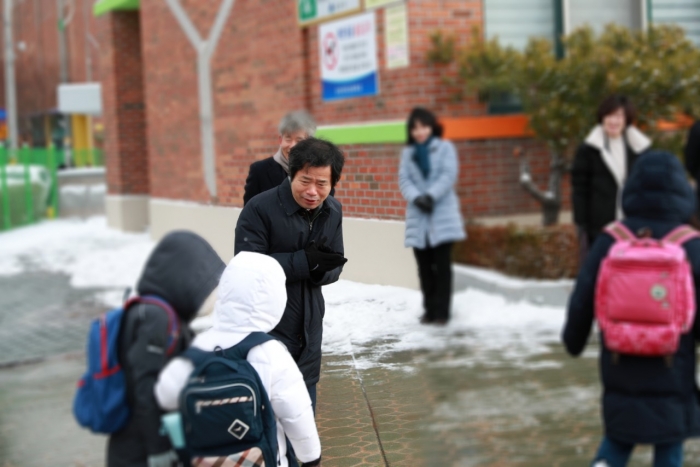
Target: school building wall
{"type": "Point", "coordinates": [37, 59]}
{"type": "Point", "coordinates": [263, 67]}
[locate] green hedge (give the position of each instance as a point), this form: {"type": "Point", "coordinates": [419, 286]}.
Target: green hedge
{"type": "Point", "coordinates": [531, 252]}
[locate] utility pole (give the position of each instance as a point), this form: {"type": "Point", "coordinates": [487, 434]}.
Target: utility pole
{"type": "Point", "coordinates": [88, 39]}
{"type": "Point", "coordinates": [10, 89]}
{"type": "Point", "coordinates": [63, 59]}
{"type": "Point", "coordinates": [62, 48]}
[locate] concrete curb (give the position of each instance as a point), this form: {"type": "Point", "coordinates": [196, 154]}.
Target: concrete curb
{"type": "Point", "coordinates": [549, 293]}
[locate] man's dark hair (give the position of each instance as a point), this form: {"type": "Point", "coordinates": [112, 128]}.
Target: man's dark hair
{"type": "Point", "coordinates": [314, 152]}
{"type": "Point", "coordinates": [427, 118]}
{"type": "Point", "coordinates": [614, 102]}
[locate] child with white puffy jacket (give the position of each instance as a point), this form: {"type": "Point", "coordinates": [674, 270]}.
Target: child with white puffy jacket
{"type": "Point", "coordinates": [251, 298]}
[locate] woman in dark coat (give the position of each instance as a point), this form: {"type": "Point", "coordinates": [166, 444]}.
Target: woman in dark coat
{"type": "Point", "coordinates": [601, 166]}
{"type": "Point", "coordinates": [645, 401]}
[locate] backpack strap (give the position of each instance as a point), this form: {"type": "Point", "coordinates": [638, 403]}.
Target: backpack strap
{"type": "Point", "coordinates": [619, 232]}
{"type": "Point", "coordinates": [681, 234]}
{"type": "Point", "coordinates": [195, 355]}
{"type": "Point", "coordinates": [173, 321]}
{"type": "Point", "coordinates": [253, 339]}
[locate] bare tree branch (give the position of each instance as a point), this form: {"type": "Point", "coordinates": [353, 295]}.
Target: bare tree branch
{"type": "Point", "coordinates": [529, 185]}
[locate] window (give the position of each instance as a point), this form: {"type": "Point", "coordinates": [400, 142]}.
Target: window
{"type": "Point", "coordinates": [599, 13]}
{"type": "Point", "coordinates": [515, 21]}
{"type": "Point", "coordinates": [684, 13]}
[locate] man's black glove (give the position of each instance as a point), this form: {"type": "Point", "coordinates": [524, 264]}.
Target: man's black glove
{"type": "Point", "coordinates": [321, 258]}
{"type": "Point", "coordinates": [424, 203]}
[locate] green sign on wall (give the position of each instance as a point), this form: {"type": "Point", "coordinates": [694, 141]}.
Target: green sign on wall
{"type": "Point", "coordinates": [307, 10]}
{"type": "Point", "coordinates": [314, 11]}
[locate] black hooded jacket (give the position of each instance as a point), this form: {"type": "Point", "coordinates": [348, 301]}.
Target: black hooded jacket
{"type": "Point", "coordinates": [183, 270]}
{"type": "Point", "coordinates": [594, 189]}
{"type": "Point", "coordinates": [272, 223]}
{"type": "Point", "coordinates": [692, 152]}
{"type": "Point", "coordinates": [644, 400]}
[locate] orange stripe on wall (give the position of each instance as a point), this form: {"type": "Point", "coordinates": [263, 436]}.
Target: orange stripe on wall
{"type": "Point", "coordinates": [488, 127]}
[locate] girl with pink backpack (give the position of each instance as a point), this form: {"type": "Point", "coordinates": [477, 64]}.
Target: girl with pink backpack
{"type": "Point", "coordinates": [640, 282]}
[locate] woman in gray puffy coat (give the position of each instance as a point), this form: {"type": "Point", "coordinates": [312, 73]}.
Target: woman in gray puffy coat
{"type": "Point", "coordinates": [427, 175]}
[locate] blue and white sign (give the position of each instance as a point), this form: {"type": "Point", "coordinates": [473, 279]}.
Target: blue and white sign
{"type": "Point", "coordinates": [348, 52]}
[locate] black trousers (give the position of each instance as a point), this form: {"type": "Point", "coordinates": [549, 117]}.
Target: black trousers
{"type": "Point", "coordinates": [435, 273]}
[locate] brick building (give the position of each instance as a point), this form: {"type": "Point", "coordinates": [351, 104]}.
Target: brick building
{"type": "Point", "coordinates": [38, 62]}
{"type": "Point", "coordinates": [264, 64]}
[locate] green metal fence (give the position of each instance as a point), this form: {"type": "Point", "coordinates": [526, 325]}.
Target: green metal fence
{"type": "Point", "coordinates": [29, 182]}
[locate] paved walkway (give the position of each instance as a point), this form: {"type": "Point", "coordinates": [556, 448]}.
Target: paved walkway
{"type": "Point", "coordinates": [41, 316]}
{"type": "Point", "coordinates": [431, 414]}
{"type": "Point", "coordinates": [418, 408]}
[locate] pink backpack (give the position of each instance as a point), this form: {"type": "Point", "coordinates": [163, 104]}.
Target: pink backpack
{"type": "Point", "coordinates": [645, 295]}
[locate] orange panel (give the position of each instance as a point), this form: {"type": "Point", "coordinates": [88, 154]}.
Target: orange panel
{"type": "Point", "coordinates": [488, 127]}
{"type": "Point", "coordinates": [682, 122]}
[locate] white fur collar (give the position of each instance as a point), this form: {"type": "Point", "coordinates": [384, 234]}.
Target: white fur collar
{"type": "Point", "coordinates": [636, 140]}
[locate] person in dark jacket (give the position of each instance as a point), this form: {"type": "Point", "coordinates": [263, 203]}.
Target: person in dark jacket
{"type": "Point", "coordinates": [301, 226]}
{"type": "Point", "coordinates": [601, 166]}
{"type": "Point", "coordinates": [692, 153]}
{"type": "Point", "coordinates": [270, 173]}
{"type": "Point", "coordinates": [183, 270]}
{"type": "Point", "coordinates": [645, 400]}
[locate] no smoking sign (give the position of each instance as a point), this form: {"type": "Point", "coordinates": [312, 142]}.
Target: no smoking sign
{"type": "Point", "coordinates": [330, 51]}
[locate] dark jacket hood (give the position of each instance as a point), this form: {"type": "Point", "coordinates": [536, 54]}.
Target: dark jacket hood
{"type": "Point", "coordinates": [183, 270]}
{"type": "Point", "coordinates": [657, 188]}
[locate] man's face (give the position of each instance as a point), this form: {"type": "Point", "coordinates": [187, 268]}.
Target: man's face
{"type": "Point", "coordinates": [289, 140]}
{"type": "Point", "coordinates": [311, 186]}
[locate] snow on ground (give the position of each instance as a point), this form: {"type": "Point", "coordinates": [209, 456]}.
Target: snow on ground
{"type": "Point", "coordinates": [87, 250]}
{"type": "Point", "coordinates": [376, 321]}
{"type": "Point", "coordinates": [370, 321]}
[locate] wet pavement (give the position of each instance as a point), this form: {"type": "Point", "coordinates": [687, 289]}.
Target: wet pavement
{"type": "Point", "coordinates": [432, 413]}
{"type": "Point", "coordinates": [409, 408]}
{"type": "Point", "coordinates": [42, 316]}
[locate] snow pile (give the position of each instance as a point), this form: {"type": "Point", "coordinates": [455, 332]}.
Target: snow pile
{"type": "Point", "coordinates": [87, 250]}
{"type": "Point", "coordinates": [376, 320]}
{"type": "Point", "coordinates": [367, 321]}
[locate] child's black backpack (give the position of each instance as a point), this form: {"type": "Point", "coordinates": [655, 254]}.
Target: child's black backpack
{"type": "Point", "coordinates": [226, 414]}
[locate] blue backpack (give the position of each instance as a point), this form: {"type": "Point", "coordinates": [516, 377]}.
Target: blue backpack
{"type": "Point", "coordinates": [226, 413]}
{"type": "Point", "coordinates": [100, 403]}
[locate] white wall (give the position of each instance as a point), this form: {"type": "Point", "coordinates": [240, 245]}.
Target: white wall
{"type": "Point", "coordinates": [374, 248]}
{"type": "Point", "coordinates": [127, 212]}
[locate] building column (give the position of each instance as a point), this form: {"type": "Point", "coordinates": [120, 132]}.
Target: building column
{"type": "Point", "coordinates": [125, 148]}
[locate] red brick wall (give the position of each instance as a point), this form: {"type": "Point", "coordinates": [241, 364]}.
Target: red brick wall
{"type": "Point", "coordinates": [265, 66]}
{"type": "Point", "coordinates": [258, 76]}
{"type": "Point", "coordinates": [37, 66]}
{"type": "Point", "coordinates": [126, 149]}
{"type": "Point", "coordinates": [404, 88]}
{"type": "Point", "coordinates": [488, 183]}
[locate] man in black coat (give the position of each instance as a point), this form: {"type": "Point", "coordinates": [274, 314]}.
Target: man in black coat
{"type": "Point", "coordinates": [300, 225]}
{"type": "Point", "coordinates": [183, 271]}
{"type": "Point", "coordinates": [269, 173]}
{"type": "Point", "coordinates": [645, 400]}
